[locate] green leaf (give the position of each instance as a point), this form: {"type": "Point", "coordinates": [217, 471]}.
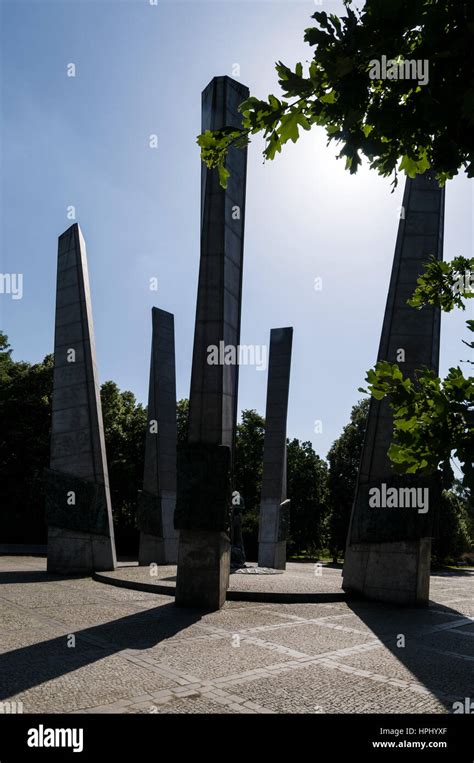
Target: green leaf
{"type": "Point", "coordinates": [224, 174]}
{"type": "Point", "coordinates": [273, 146]}
{"type": "Point", "coordinates": [414, 167]}
{"type": "Point", "coordinates": [329, 97]}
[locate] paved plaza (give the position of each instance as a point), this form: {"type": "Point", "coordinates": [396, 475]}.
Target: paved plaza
{"type": "Point", "coordinates": [77, 645]}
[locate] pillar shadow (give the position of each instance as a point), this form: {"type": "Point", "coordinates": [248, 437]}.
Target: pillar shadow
{"type": "Point", "coordinates": [7, 577]}
{"type": "Point", "coordinates": [30, 666]}
{"type": "Point", "coordinates": [434, 655]}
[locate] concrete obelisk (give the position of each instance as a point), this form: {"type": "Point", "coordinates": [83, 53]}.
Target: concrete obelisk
{"type": "Point", "coordinates": [78, 508]}
{"type": "Point", "coordinates": [204, 468]}
{"type": "Point", "coordinates": [157, 500]}
{"type": "Point", "coordinates": [274, 506]}
{"type": "Point", "coordinates": [389, 546]}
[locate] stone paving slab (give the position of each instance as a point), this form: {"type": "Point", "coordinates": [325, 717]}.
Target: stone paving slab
{"type": "Point", "coordinates": [81, 686]}
{"type": "Point", "coordinates": [25, 636]}
{"type": "Point", "coordinates": [239, 618]}
{"type": "Point", "coordinates": [453, 641]}
{"type": "Point", "coordinates": [298, 582]}
{"type": "Point", "coordinates": [315, 639]}
{"type": "Point", "coordinates": [84, 614]}
{"type": "Point", "coordinates": [186, 705]}
{"type": "Point", "coordinates": [307, 611]}
{"type": "Point", "coordinates": [443, 673]}
{"type": "Point", "coordinates": [136, 652]}
{"type": "Point", "coordinates": [322, 689]}
{"type": "Point", "coordinates": [215, 658]}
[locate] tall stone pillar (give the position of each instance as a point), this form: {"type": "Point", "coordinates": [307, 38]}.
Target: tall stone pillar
{"type": "Point", "coordinates": [389, 546]}
{"type": "Point", "coordinates": [157, 500]}
{"type": "Point", "coordinates": [78, 508]}
{"type": "Point", "coordinates": [204, 468]}
{"type": "Point", "coordinates": [274, 507]}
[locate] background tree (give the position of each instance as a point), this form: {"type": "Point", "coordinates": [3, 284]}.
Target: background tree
{"type": "Point", "coordinates": [306, 480]}
{"type": "Point", "coordinates": [454, 536]}
{"type": "Point", "coordinates": [250, 434]}
{"type": "Point", "coordinates": [308, 491]}
{"type": "Point", "coordinates": [182, 421]}
{"type": "Point", "coordinates": [25, 435]}
{"type": "Point", "coordinates": [344, 458]}
{"type": "Point", "coordinates": [6, 361]}
{"type": "Point", "coordinates": [306, 477]}
{"type": "Point", "coordinates": [25, 416]}
{"type": "Point", "coordinates": [125, 423]}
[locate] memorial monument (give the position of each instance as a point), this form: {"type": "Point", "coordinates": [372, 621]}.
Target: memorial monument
{"type": "Point", "coordinates": [157, 500]}
{"type": "Point", "coordinates": [389, 546]}
{"type": "Point", "coordinates": [203, 510]}
{"type": "Point", "coordinates": [78, 508]}
{"type": "Point", "coordinates": [274, 506]}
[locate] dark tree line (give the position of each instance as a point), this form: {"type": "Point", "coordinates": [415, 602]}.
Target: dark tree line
{"type": "Point", "coordinates": [321, 491]}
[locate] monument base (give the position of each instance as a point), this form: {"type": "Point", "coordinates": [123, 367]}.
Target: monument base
{"type": "Point", "coordinates": [203, 569]}
{"type": "Point", "coordinates": [170, 535]}
{"type": "Point", "coordinates": [72, 552]}
{"type": "Point", "coordinates": [397, 573]}
{"type": "Point", "coordinates": [274, 519]}
{"type": "Point", "coordinates": [151, 549]}
{"type": "Point", "coordinates": [171, 550]}
{"type": "Point", "coordinates": [272, 555]}
{"type": "Point", "coordinates": [155, 550]}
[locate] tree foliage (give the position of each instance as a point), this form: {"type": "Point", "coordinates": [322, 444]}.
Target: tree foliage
{"type": "Point", "coordinates": [344, 458]}
{"type": "Point", "coordinates": [307, 489]}
{"type": "Point", "coordinates": [445, 284]}
{"type": "Point", "coordinates": [249, 457]}
{"type": "Point", "coordinates": [433, 417]}
{"type": "Point", "coordinates": [398, 124]}
{"type": "Point", "coordinates": [321, 498]}
{"type": "Point", "coordinates": [25, 416]}
{"type": "Point", "coordinates": [182, 421]}
{"type": "Point", "coordinates": [455, 535]}
{"type": "Point", "coordinates": [248, 467]}
{"type": "Point", "coordinates": [306, 486]}
{"type": "Point", "coordinates": [124, 427]}
{"type": "Point", "coordinates": [25, 435]}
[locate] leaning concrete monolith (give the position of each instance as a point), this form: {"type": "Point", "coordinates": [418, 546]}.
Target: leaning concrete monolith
{"type": "Point", "coordinates": [389, 541]}
{"type": "Point", "coordinates": [157, 500]}
{"type": "Point", "coordinates": [78, 509]}
{"type": "Point", "coordinates": [274, 506]}
{"type": "Point", "coordinates": [205, 467]}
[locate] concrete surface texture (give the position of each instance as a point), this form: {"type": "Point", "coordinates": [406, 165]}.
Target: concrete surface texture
{"type": "Point", "coordinates": [75, 645]}
{"type": "Point", "coordinates": [388, 551]}
{"type": "Point", "coordinates": [204, 550]}
{"type": "Point", "coordinates": [274, 508]}
{"type": "Point", "coordinates": [80, 529]}
{"type": "Point", "coordinates": [158, 537]}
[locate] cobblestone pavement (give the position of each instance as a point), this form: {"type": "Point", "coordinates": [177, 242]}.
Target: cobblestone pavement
{"type": "Point", "coordinates": [301, 579]}
{"type": "Point", "coordinates": [76, 645]}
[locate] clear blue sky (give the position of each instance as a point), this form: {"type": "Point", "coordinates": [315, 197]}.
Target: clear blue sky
{"type": "Point", "coordinates": [83, 141]}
